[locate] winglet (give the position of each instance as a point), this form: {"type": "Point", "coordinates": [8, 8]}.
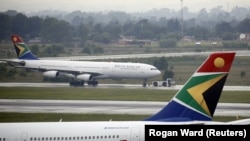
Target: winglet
{"type": "Point", "coordinates": [22, 50]}
{"type": "Point", "coordinates": [198, 98]}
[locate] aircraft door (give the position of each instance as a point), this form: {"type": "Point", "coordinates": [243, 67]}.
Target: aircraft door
{"type": "Point", "coordinates": [135, 134]}
{"type": "Point", "coordinates": [24, 136]}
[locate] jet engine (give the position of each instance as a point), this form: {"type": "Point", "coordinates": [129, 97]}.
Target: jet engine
{"type": "Point", "coordinates": [51, 74]}
{"type": "Point", "coordinates": [85, 77]}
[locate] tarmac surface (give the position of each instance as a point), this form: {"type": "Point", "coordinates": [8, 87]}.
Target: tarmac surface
{"type": "Point", "coordinates": [126, 86]}
{"type": "Point", "coordinates": [108, 107]}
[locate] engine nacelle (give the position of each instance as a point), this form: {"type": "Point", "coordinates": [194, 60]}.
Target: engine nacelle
{"type": "Point", "coordinates": [51, 74]}
{"type": "Point", "coordinates": [85, 77]}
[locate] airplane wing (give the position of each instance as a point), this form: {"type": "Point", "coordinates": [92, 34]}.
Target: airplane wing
{"type": "Point", "coordinates": [77, 72]}
{"type": "Point", "coordinates": [67, 73]}
{"type": "Point", "coordinates": [14, 62]}
{"type": "Point", "coordinates": [21, 63]}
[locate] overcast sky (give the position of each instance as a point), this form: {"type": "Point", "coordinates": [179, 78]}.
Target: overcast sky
{"type": "Point", "coordinates": [116, 5]}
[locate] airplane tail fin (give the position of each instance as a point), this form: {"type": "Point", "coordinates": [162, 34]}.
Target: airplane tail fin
{"type": "Point", "coordinates": [198, 98]}
{"type": "Point", "coordinates": [22, 50]}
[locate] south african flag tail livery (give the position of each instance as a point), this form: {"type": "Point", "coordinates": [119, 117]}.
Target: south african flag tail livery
{"type": "Point", "coordinates": [198, 98]}
{"type": "Point", "coordinates": [22, 50]}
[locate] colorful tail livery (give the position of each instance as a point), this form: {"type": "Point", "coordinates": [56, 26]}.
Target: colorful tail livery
{"type": "Point", "coordinates": [22, 50]}
{"type": "Point", "coordinates": [198, 98]}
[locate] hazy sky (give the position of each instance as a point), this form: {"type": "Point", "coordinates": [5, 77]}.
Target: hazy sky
{"type": "Point", "coordinates": [121, 5]}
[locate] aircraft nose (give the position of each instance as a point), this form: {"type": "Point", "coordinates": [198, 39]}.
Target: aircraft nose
{"type": "Point", "coordinates": [158, 72]}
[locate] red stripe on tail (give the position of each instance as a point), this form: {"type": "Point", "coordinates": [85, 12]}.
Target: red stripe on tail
{"type": "Point", "coordinates": [218, 62]}
{"type": "Point", "coordinates": [16, 39]}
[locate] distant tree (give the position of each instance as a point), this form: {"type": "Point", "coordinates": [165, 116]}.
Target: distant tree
{"type": "Point", "coordinates": [55, 31]}
{"type": "Point", "coordinates": [167, 43]}
{"type": "Point", "coordinates": [114, 28]}
{"type": "Point", "coordinates": [20, 24]}
{"type": "Point", "coordinates": [53, 50]}
{"type": "Point", "coordinates": [5, 26]}
{"type": "Point", "coordinates": [161, 63]}
{"type": "Point", "coordinates": [173, 25]}
{"type": "Point", "coordinates": [97, 50]}
{"type": "Point", "coordinates": [243, 26]}
{"type": "Point", "coordinates": [229, 36]}
{"type": "Point", "coordinates": [201, 33]}
{"type": "Point", "coordinates": [35, 49]}
{"type": "Point", "coordinates": [223, 27]}
{"type": "Point", "coordinates": [34, 26]}
{"type": "Point", "coordinates": [86, 50]}
{"type": "Point", "coordinates": [77, 20]}
{"type": "Point", "coordinates": [106, 37]}
{"type": "Point", "coordinates": [203, 15]}
{"type": "Point", "coordinates": [168, 74]}
{"type": "Point", "coordinates": [82, 32]}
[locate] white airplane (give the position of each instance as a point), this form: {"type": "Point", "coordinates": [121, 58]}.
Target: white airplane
{"type": "Point", "coordinates": [193, 104]}
{"type": "Point", "coordinates": [80, 71]}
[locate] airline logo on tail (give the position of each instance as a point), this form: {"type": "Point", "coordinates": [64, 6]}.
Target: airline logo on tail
{"type": "Point", "coordinates": [205, 87]}
{"type": "Point", "coordinates": [22, 50]}
{"type": "Point", "coordinates": [198, 98]}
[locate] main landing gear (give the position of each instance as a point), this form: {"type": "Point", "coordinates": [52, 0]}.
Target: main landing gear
{"type": "Point", "coordinates": [93, 83]}
{"type": "Point", "coordinates": [80, 83]}
{"type": "Point", "coordinates": [144, 83]}
{"type": "Point", "coordinates": [76, 83]}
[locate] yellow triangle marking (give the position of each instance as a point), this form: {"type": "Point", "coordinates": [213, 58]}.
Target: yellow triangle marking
{"type": "Point", "coordinates": [21, 49]}
{"type": "Point", "coordinates": [197, 91]}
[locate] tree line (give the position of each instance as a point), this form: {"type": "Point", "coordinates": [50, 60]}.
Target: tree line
{"type": "Point", "coordinates": [50, 29]}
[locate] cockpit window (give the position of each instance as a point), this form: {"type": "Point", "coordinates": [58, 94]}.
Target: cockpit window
{"type": "Point", "coordinates": [153, 68]}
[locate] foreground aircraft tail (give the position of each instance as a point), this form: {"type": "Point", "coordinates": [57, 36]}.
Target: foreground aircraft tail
{"type": "Point", "coordinates": [198, 98]}
{"type": "Point", "coordinates": [22, 50]}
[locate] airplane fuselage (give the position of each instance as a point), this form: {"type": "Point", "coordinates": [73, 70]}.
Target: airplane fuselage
{"type": "Point", "coordinates": [77, 131]}
{"type": "Point", "coordinates": [99, 70]}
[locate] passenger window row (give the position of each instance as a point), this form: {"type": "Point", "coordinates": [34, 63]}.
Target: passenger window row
{"type": "Point", "coordinates": [2, 139]}
{"type": "Point", "coordinates": [72, 138]}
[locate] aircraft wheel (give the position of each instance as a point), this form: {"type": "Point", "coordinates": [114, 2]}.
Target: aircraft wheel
{"type": "Point", "coordinates": [164, 84]}
{"type": "Point", "coordinates": [76, 83]}
{"type": "Point", "coordinates": [93, 83]}
{"type": "Point", "coordinates": [155, 84]}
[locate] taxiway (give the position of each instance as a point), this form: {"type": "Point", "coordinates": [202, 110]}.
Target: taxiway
{"type": "Point", "coordinates": [106, 107]}
{"type": "Point", "coordinates": [126, 86]}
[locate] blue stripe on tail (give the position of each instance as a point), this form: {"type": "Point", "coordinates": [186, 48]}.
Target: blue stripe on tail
{"type": "Point", "coordinates": [177, 112]}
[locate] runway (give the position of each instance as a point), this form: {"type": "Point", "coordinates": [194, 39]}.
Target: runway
{"type": "Point", "coordinates": [126, 86]}
{"type": "Point", "coordinates": [106, 107]}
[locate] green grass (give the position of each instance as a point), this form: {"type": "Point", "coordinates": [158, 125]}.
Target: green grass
{"type": "Point", "coordinates": [142, 94]}
{"type": "Point", "coordinates": [97, 94]}
{"type": "Point", "coordinates": [84, 94]}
